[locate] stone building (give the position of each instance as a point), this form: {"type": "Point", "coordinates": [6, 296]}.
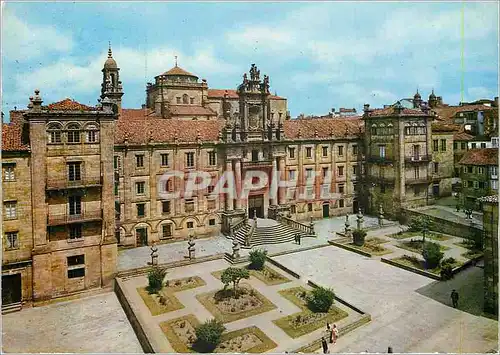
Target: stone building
{"type": "Point", "coordinates": [490, 223]}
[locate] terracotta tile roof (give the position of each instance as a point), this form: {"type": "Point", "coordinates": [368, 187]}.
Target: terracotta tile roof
{"type": "Point", "coordinates": [462, 136]}
{"type": "Point", "coordinates": [448, 113]}
{"type": "Point", "coordinates": [130, 113]}
{"type": "Point", "coordinates": [69, 105]}
{"type": "Point", "coordinates": [445, 127]}
{"type": "Point", "coordinates": [485, 156]}
{"type": "Point", "coordinates": [178, 71]}
{"type": "Point", "coordinates": [232, 94]}
{"type": "Point", "coordinates": [16, 116]}
{"type": "Point", "coordinates": [12, 138]}
{"type": "Point", "coordinates": [141, 130]}
{"type": "Point", "coordinates": [322, 127]}
{"type": "Point", "coordinates": [388, 111]}
{"type": "Point", "coordinates": [191, 110]}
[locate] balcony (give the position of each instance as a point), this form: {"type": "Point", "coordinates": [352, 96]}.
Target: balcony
{"type": "Point", "coordinates": [255, 164]}
{"type": "Point", "coordinates": [66, 218]}
{"type": "Point", "coordinates": [415, 159]}
{"type": "Point", "coordinates": [380, 160]}
{"type": "Point", "coordinates": [59, 184]}
{"type": "Point", "coordinates": [418, 180]}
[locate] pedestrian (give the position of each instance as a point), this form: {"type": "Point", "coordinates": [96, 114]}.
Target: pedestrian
{"type": "Point", "coordinates": [389, 349]}
{"type": "Point", "coordinates": [295, 238]}
{"type": "Point", "coordinates": [298, 237]}
{"type": "Point", "coordinates": [328, 326]}
{"type": "Point", "coordinates": [325, 345]}
{"type": "Point", "coordinates": [454, 298]}
{"type": "Point", "coordinates": [335, 334]}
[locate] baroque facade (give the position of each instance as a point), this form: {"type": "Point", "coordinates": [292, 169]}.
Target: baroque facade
{"type": "Point", "coordinates": [80, 180]}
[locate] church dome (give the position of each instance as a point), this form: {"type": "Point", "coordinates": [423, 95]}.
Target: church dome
{"type": "Point", "coordinates": [178, 71]}
{"type": "Point", "coordinates": [110, 63]}
{"type": "Point", "coordinates": [417, 96]}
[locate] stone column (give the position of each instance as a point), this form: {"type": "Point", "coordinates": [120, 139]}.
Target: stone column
{"type": "Point", "coordinates": [272, 198]}
{"type": "Point", "coordinates": [237, 173]}
{"type": "Point", "coordinates": [229, 200]}
{"type": "Point", "coordinates": [281, 189]}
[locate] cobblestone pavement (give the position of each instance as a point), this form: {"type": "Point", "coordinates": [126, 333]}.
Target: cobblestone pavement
{"type": "Point", "coordinates": [95, 324]}
{"type": "Point", "coordinates": [401, 317]}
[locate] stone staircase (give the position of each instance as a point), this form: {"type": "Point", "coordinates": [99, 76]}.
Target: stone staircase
{"type": "Point", "coordinates": [12, 307]}
{"type": "Point", "coordinates": [268, 232]}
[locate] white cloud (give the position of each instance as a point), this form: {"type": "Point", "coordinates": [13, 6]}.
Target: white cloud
{"type": "Point", "coordinates": [22, 41]}
{"type": "Point", "coordinates": [479, 92]}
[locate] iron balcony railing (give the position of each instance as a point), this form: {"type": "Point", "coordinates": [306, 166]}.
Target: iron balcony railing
{"type": "Point", "coordinates": [66, 218]}
{"type": "Point", "coordinates": [66, 183]}
{"type": "Point", "coordinates": [418, 159]}
{"type": "Point", "coordinates": [260, 163]}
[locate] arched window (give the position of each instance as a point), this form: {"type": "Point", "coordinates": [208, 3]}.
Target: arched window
{"type": "Point", "coordinates": [54, 133]}
{"type": "Point", "coordinates": [374, 129]}
{"type": "Point", "coordinates": [73, 133]}
{"type": "Point", "coordinates": [185, 99]}
{"type": "Point", "coordinates": [91, 133]}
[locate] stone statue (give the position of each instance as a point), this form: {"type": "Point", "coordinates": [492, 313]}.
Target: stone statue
{"type": "Point", "coordinates": [252, 72]}
{"type": "Point", "coordinates": [380, 216]}
{"type": "Point", "coordinates": [154, 254]}
{"type": "Point", "coordinates": [191, 248]}
{"type": "Point", "coordinates": [245, 79]}
{"type": "Point", "coordinates": [347, 228]}
{"type": "Point", "coordinates": [257, 74]}
{"type": "Point", "coordinates": [236, 249]}
{"type": "Point", "coordinates": [360, 219]}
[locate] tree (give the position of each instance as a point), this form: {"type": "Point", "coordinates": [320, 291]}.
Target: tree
{"type": "Point", "coordinates": [234, 275]}
{"type": "Point", "coordinates": [421, 224]}
{"type": "Point", "coordinates": [257, 259]}
{"type": "Point", "coordinates": [208, 335]}
{"type": "Point", "coordinates": [155, 279]}
{"type": "Point", "coordinates": [432, 254]}
{"type": "Point", "coordinates": [358, 237]}
{"type": "Point", "coordinates": [321, 299]}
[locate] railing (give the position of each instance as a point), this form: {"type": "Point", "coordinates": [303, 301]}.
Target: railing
{"type": "Point", "coordinates": [66, 218]}
{"type": "Point", "coordinates": [262, 163]}
{"type": "Point", "coordinates": [57, 184]}
{"type": "Point", "coordinates": [295, 225]}
{"type": "Point", "coordinates": [418, 180]}
{"type": "Point", "coordinates": [379, 160]}
{"type": "Point", "coordinates": [418, 158]}
{"type": "Point", "coordinates": [237, 226]}
{"type": "Point", "coordinates": [249, 235]}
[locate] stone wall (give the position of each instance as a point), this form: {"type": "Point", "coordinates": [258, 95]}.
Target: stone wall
{"type": "Point", "coordinates": [490, 221]}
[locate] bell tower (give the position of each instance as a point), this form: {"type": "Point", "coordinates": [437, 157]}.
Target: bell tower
{"type": "Point", "coordinates": [111, 86]}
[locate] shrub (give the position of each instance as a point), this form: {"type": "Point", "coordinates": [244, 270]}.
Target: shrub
{"type": "Point", "coordinates": [155, 279]}
{"type": "Point", "coordinates": [449, 260]}
{"type": "Point", "coordinates": [320, 299]}
{"type": "Point", "coordinates": [417, 224]}
{"type": "Point", "coordinates": [234, 275]}
{"type": "Point", "coordinates": [257, 259]}
{"type": "Point", "coordinates": [358, 237]}
{"type": "Point", "coordinates": [446, 271]}
{"type": "Point", "coordinates": [208, 335]}
{"type": "Point", "coordinates": [432, 255]}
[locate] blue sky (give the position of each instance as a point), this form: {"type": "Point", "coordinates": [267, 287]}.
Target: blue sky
{"type": "Point", "coordinates": [318, 55]}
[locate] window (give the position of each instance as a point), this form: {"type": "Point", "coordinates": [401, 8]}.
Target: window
{"type": "Point", "coordinates": [464, 183]}
{"type": "Point", "coordinates": [494, 170]}
{"type": "Point", "coordinates": [141, 210]}
{"type": "Point", "coordinates": [494, 184]}
{"type": "Point", "coordinates": [185, 99]}
{"type": "Point", "coordinates": [354, 150]}
{"type": "Point", "coordinates": [309, 173]}
{"type": "Point", "coordinates": [211, 158]}
{"type": "Point", "coordinates": [291, 175]}
{"type": "Point", "coordinates": [74, 171]}
{"type": "Point", "coordinates": [293, 209]}
{"type": "Point", "coordinates": [75, 273]}
{"type": "Point", "coordinates": [381, 151]}
{"type": "Point", "coordinates": [341, 203]}
{"type": "Point", "coordinates": [10, 209]}
{"type": "Point", "coordinates": [191, 100]}
{"type": "Point", "coordinates": [473, 145]}
{"type": "Point", "coordinates": [211, 222]}
{"type": "Point", "coordinates": [482, 184]}
{"type": "Point", "coordinates": [341, 188]}
{"type": "Point", "coordinates": [165, 207]}
{"type": "Point", "coordinates": [309, 152]}
{"type": "Point", "coordinates": [341, 150]}
{"type": "Point", "coordinates": [73, 133]}
{"type": "Point", "coordinates": [75, 231]}
{"type": "Point", "coordinates": [91, 136]}
{"type": "Point", "coordinates": [354, 170]}
{"type": "Point", "coordinates": [76, 260]}
{"type": "Point", "coordinates": [325, 172]}
{"type": "Point", "coordinates": [9, 172]}
{"type": "Point", "coordinates": [494, 142]}
{"type": "Point", "coordinates": [117, 185]}
{"type": "Point", "coordinates": [190, 160]}
{"type": "Point", "coordinates": [475, 184]}
{"type": "Point", "coordinates": [166, 231]}
{"type": "Point", "coordinates": [436, 168]}
{"type": "Point", "coordinates": [178, 100]}
{"type": "Point", "coordinates": [139, 160]}
{"type": "Point", "coordinates": [309, 207]}
{"type": "Point", "coordinates": [169, 185]}
{"type": "Point", "coordinates": [116, 162]}
{"type": "Point", "coordinates": [416, 190]}
{"type": "Point", "coordinates": [291, 153]}
{"type": "Point", "coordinates": [480, 170]}
{"type": "Point", "coordinates": [325, 151]}
{"type": "Point", "coordinates": [483, 145]}
{"type": "Point", "coordinates": [340, 171]}
{"type": "Point", "coordinates": [255, 155]}
{"type": "Point", "coordinates": [190, 225]}
{"type": "Point", "coordinates": [210, 189]}
{"type": "Point", "coordinates": [164, 159]}
{"type": "Point", "coordinates": [455, 145]}
{"type": "Point", "coordinates": [463, 146]}
{"type": "Point", "coordinates": [75, 205]}
{"type": "Point", "coordinates": [189, 205]}
{"type": "Point", "coordinates": [435, 145]}
{"type": "Point", "coordinates": [416, 172]}
{"type": "Point", "coordinates": [11, 240]}
{"type": "Point", "coordinates": [443, 145]}
{"type": "Point", "coordinates": [54, 133]}
{"type": "Point", "coordinates": [139, 187]}
{"type": "Point", "coordinates": [469, 169]}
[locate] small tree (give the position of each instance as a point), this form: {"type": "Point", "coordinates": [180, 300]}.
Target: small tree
{"type": "Point", "coordinates": [208, 335]}
{"type": "Point", "coordinates": [446, 271]}
{"type": "Point", "coordinates": [257, 259]}
{"type": "Point", "coordinates": [320, 299]}
{"type": "Point", "coordinates": [155, 279]}
{"type": "Point", "coordinates": [432, 254]}
{"type": "Point", "coordinates": [358, 237]}
{"type": "Point", "coordinates": [234, 275]}
{"type": "Point", "coordinates": [418, 224]}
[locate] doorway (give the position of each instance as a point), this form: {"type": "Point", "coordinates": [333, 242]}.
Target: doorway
{"type": "Point", "coordinates": [141, 237]}
{"type": "Point", "coordinates": [11, 289]}
{"type": "Point", "coordinates": [326, 210]}
{"type": "Point", "coordinates": [256, 206]}
{"type": "Point", "coordinates": [435, 190]}
{"type": "Point", "coordinates": [355, 206]}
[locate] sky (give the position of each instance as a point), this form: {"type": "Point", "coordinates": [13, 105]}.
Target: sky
{"type": "Point", "coordinates": [319, 55]}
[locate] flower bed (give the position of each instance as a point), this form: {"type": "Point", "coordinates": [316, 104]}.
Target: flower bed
{"type": "Point", "coordinates": [269, 276]}
{"type": "Point", "coordinates": [428, 235]}
{"type": "Point", "coordinates": [372, 246]}
{"type": "Point", "coordinates": [185, 283]}
{"type": "Point", "coordinates": [162, 302]}
{"type": "Point", "coordinates": [416, 246]}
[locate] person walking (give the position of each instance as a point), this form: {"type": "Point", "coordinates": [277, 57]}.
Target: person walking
{"type": "Point", "coordinates": [454, 298]}
{"type": "Point", "coordinates": [325, 345]}
{"type": "Point", "coordinates": [335, 334]}
{"type": "Point", "coordinates": [389, 350]}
